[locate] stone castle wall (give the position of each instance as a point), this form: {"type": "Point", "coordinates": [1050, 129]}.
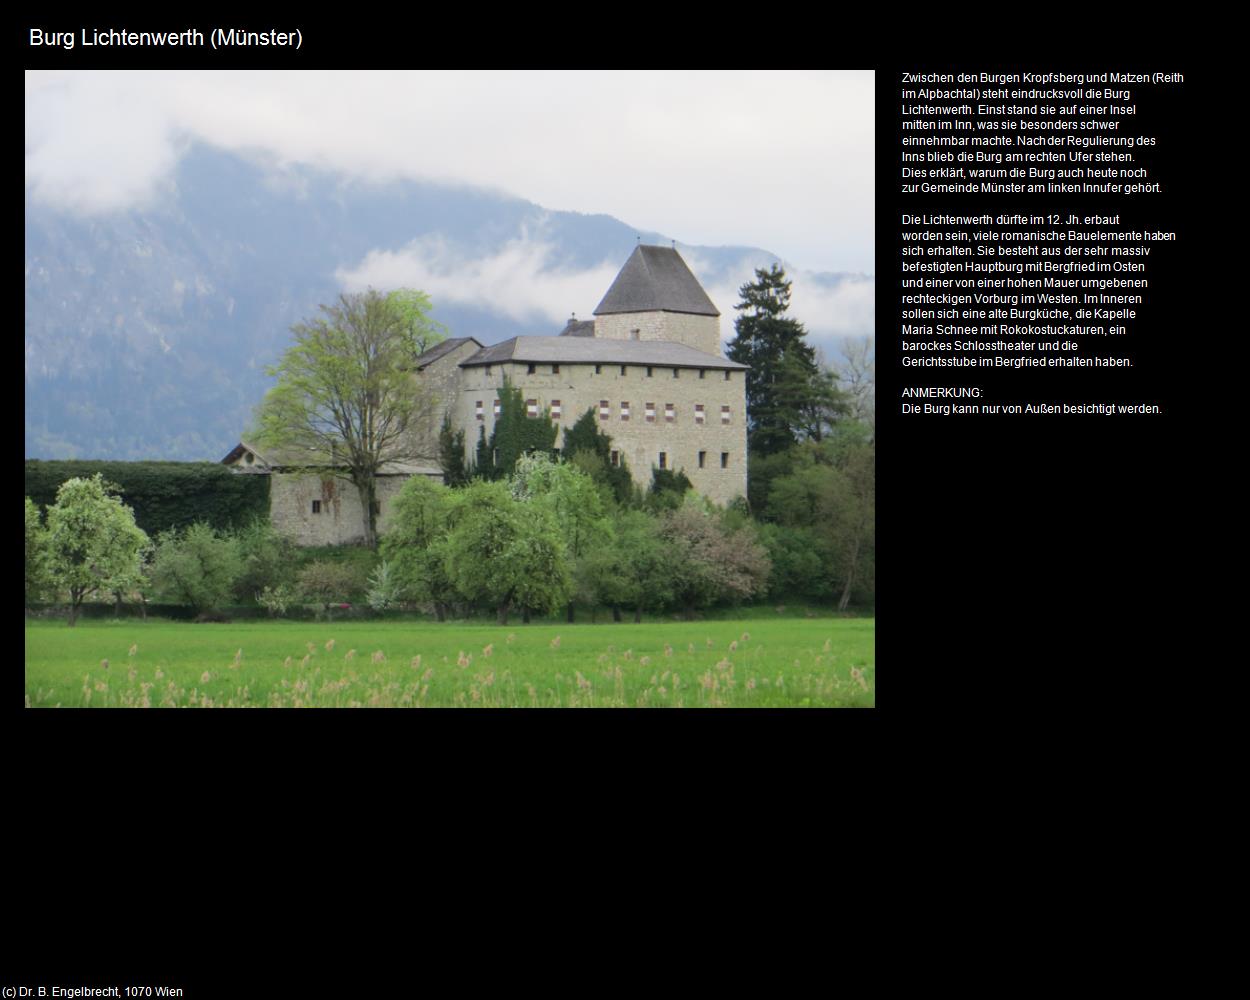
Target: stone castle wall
{"type": "Point", "coordinates": [579, 388]}
{"type": "Point", "coordinates": [340, 521]}
{"type": "Point", "coordinates": [700, 332]}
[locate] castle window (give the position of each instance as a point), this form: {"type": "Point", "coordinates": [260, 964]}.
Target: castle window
{"type": "Point", "coordinates": [702, 372]}
{"type": "Point", "coordinates": [698, 413]}
{"type": "Point", "coordinates": [531, 369]}
{"type": "Point", "coordinates": [635, 334]}
{"type": "Point", "coordinates": [663, 460]}
{"type": "Point", "coordinates": [477, 410]}
{"type": "Point", "coordinates": [650, 413]}
{"type": "Point", "coordinates": [676, 373]}
{"type": "Point", "coordinates": [669, 412]}
{"type": "Point", "coordinates": [555, 369]}
{"type": "Point", "coordinates": [622, 369]}
{"type": "Point", "coordinates": [531, 407]}
{"type": "Point", "coordinates": [249, 458]}
{"type": "Point", "coordinates": [316, 507]}
{"type": "Point", "coordinates": [724, 460]}
{"type": "Point", "coordinates": [650, 371]}
{"type": "Point", "coordinates": [488, 367]}
{"type": "Point", "coordinates": [727, 374]}
{"type": "Point", "coordinates": [625, 411]}
{"type": "Point", "coordinates": [498, 408]}
{"type": "Point", "coordinates": [724, 414]}
{"type": "Point", "coordinates": [555, 409]}
{"type": "Point", "coordinates": [603, 409]}
{"type": "Point", "coordinates": [598, 369]}
{"type": "Point", "coordinates": [702, 458]}
{"type": "Point", "coordinates": [616, 457]}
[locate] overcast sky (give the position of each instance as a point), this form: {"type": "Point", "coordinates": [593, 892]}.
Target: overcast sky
{"type": "Point", "coordinates": [777, 160]}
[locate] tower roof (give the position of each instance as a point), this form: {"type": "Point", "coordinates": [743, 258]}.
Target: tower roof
{"type": "Point", "coordinates": [656, 279]}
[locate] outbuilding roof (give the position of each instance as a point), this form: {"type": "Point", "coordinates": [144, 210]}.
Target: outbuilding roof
{"type": "Point", "coordinates": [440, 350]}
{"type": "Point", "coordinates": [656, 279]}
{"type": "Point", "coordinates": [593, 350]}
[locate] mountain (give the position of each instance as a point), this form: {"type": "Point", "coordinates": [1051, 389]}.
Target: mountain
{"type": "Point", "coordinates": [148, 332]}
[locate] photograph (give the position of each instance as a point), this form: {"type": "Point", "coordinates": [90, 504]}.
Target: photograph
{"type": "Point", "coordinates": [450, 389]}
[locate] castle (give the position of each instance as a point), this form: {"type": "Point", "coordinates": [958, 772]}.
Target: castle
{"type": "Point", "coordinates": [648, 365]}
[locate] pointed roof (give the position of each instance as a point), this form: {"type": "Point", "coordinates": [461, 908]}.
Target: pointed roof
{"type": "Point", "coordinates": [441, 349]}
{"type": "Point", "coordinates": [656, 279]}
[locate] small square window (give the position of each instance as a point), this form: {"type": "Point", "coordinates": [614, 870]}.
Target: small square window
{"type": "Point", "coordinates": [616, 457]}
{"type": "Point", "coordinates": [603, 409]}
{"type": "Point", "coordinates": [663, 460]}
{"type": "Point", "coordinates": [498, 407]}
{"type": "Point", "coordinates": [649, 412]}
{"type": "Point", "coordinates": [702, 458]}
{"type": "Point", "coordinates": [669, 413]}
{"type": "Point", "coordinates": [598, 369]}
{"type": "Point", "coordinates": [625, 410]}
{"type": "Point", "coordinates": [555, 369]}
{"type": "Point", "coordinates": [702, 372]}
{"type": "Point", "coordinates": [531, 369]}
{"type": "Point", "coordinates": [724, 460]}
{"type": "Point", "coordinates": [727, 374]}
{"type": "Point", "coordinates": [650, 371]}
{"type": "Point", "coordinates": [316, 506]}
{"type": "Point", "coordinates": [676, 373]}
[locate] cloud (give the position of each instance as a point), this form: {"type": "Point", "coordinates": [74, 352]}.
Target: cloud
{"type": "Point", "coordinates": [519, 282]}
{"type": "Point", "coordinates": [777, 159]}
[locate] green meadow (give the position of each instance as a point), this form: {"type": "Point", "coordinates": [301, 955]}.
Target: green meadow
{"type": "Point", "coordinates": [742, 663]}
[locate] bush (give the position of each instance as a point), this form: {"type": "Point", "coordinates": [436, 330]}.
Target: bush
{"type": "Point", "coordinates": [269, 561]}
{"type": "Point", "coordinates": [197, 567]}
{"type": "Point", "coordinates": [328, 583]}
{"type": "Point", "coordinates": [384, 589]}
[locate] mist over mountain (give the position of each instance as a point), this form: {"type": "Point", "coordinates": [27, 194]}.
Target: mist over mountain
{"type": "Point", "coordinates": [148, 331]}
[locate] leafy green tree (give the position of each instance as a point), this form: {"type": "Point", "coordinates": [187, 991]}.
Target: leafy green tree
{"type": "Point", "coordinates": [415, 542]}
{"type": "Point", "coordinates": [346, 396]}
{"type": "Point", "coordinates": [585, 438]}
{"type": "Point", "coordinates": [451, 454]}
{"type": "Point", "coordinates": [516, 433]}
{"type": "Point", "coordinates": [93, 544]}
{"type": "Point", "coordinates": [269, 561]}
{"type": "Point", "coordinates": [36, 555]}
{"type": "Point", "coordinates": [505, 552]}
{"type": "Point", "coordinates": [634, 569]}
{"type": "Point", "coordinates": [788, 395]}
{"type": "Point", "coordinates": [667, 489]}
{"type": "Point", "coordinates": [197, 567]}
{"type": "Point", "coordinates": [574, 502]}
{"type": "Point", "coordinates": [412, 309]}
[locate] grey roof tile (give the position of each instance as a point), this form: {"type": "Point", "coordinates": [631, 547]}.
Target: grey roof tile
{"type": "Point", "coordinates": [656, 279]}
{"type": "Point", "coordinates": [593, 350]}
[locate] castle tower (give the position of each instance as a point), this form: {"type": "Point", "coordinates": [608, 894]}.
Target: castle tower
{"type": "Point", "coordinates": [656, 297]}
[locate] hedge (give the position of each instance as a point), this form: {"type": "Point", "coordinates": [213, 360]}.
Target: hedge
{"type": "Point", "coordinates": [163, 494]}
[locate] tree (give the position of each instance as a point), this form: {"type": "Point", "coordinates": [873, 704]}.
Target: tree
{"type": "Point", "coordinates": [36, 555]}
{"type": "Point", "coordinates": [451, 454]}
{"type": "Point", "coordinates": [573, 500]}
{"type": "Point", "coordinates": [415, 542]}
{"type": "Point", "coordinates": [93, 544]}
{"type": "Point", "coordinates": [788, 396]}
{"type": "Point", "coordinates": [197, 567]}
{"type": "Point", "coordinates": [585, 438]}
{"type": "Point", "coordinates": [346, 395]}
{"type": "Point", "coordinates": [506, 552]}
{"type": "Point", "coordinates": [710, 563]}
{"type": "Point", "coordinates": [634, 568]}
{"type": "Point", "coordinates": [516, 433]}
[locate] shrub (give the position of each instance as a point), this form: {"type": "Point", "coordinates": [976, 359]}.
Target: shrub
{"type": "Point", "coordinates": [384, 590]}
{"type": "Point", "coordinates": [328, 583]}
{"type": "Point", "coordinates": [197, 567]}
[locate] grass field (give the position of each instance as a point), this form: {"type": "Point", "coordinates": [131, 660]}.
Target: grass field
{"type": "Point", "coordinates": [818, 662]}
